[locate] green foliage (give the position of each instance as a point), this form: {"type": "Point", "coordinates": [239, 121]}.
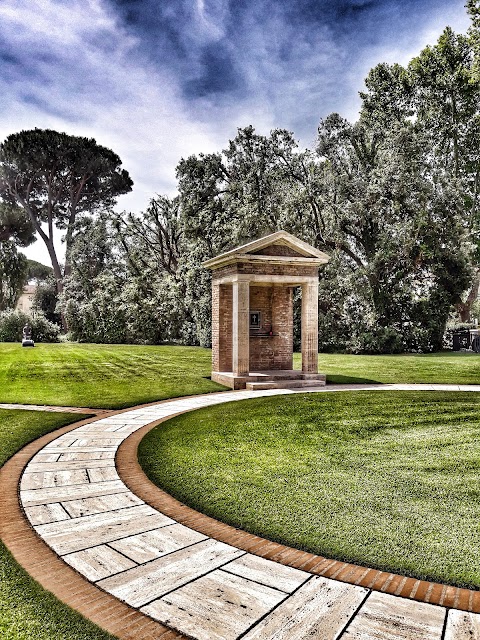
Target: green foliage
{"type": "Point", "coordinates": [439, 92]}
{"type": "Point", "coordinates": [15, 230]}
{"type": "Point", "coordinates": [123, 286]}
{"type": "Point", "coordinates": [38, 271]}
{"type": "Point", "coordinates": [15, 225]}
{"type": "Point", "coordinates": [56, 179]}
{"type": "Point", "coordinates": [12, 323]}
{"type": "Point", "coordinates": [45, 298]}
{"type": "Point", "coordinates": [13, 274]}
{"type": "Point", "coordinates": [392, 199]}
{"type": "Point", "coordinates": [118, 313]}
{"type": "Point", "coordinates": [41, 168]}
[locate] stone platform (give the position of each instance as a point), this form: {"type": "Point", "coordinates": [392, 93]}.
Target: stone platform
{"type": "Point", "coordinates": [273, 379]}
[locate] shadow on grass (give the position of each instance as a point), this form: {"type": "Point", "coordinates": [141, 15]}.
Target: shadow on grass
{"type": "Point", "coordinates": [339, 379]}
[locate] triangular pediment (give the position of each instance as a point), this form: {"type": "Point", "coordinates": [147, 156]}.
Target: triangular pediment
{"type": "Point", "coordinates": [278, 245]}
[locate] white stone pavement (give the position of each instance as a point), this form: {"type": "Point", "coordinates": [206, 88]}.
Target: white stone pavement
{"type": "Point", "coordinates": [206, 589]}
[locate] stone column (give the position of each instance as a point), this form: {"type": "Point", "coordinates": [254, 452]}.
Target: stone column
{"type": "Point", "coordinates": [215, 326]}
{"type": "Point", "coordinates": [241, 328]}
{"type": "Point", "coordinates": [310, 327]}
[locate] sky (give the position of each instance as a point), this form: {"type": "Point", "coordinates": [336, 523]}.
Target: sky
{"type": "Point", "coordinates": [158, 80]}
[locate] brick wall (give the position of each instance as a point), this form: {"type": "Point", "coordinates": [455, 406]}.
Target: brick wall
{"type": "Point", "coordinates": [282, 305]}
{"type": "Point", "coordinates": [276, 307]}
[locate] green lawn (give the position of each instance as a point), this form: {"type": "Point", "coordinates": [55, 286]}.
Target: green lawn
{"type": "Point", "coordinates": [27, 611]}
{"type": "Point", "coordinates": [117, 376]}
{"type": "Point", "coordinates": [448, 367]}
{"type": "Point", "coordinates": [108, 376]}
{"type": "Point", "coordinates": [384, 479]}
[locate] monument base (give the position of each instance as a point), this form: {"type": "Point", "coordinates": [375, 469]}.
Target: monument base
{"type": "Point", "coordinates": [279, 379]}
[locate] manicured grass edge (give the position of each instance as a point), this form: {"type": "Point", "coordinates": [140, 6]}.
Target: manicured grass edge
{"type": "Point", "coordinates": [133, 476]}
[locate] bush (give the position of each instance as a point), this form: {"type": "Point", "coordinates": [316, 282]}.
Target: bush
{"type": "Point", "coordinates": [12, 323]}
{"type": "Point", "coordinates": [382, 340]}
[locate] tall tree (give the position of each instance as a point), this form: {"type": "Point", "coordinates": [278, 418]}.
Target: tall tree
{"type": "Point", "coordinates": [56, 178]}
{"type": "Point", "coordinates": [439, 91]}
{"type": "Point", "coordinates": [15, 231]}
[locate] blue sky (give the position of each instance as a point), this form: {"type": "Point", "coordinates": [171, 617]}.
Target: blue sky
{"type": "Point", "coordinates": [157, 80]}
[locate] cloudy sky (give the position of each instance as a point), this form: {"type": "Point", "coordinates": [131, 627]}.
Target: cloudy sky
{"type": "Point", "coordinates": [157, 80]}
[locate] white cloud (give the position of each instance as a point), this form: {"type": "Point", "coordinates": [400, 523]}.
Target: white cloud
{"type": "Point", "coordinates": [76, 68]}
{"type": "Point", "coordinates": [94, 83]}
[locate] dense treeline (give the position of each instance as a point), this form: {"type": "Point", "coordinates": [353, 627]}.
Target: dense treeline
{"type": "Point", "coordinates": [393, 198]}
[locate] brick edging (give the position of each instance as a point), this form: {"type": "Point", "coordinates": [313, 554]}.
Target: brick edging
{"type": "Point", "coordinates": [50, 571]}
{"type": "Point", "coordinates": [134, 477]}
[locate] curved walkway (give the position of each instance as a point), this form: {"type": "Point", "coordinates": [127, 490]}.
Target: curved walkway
{"type": "Point", "coordinates": [146, 571]}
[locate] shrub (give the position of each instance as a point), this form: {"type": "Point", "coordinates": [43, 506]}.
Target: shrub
{"type": "Point", "coordinates": [382, 340]}
{"type": "Point", "coordinates": [12, 322]}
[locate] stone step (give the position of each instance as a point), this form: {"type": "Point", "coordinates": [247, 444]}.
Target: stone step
{"type": "Point", "coordinates": [260, 386]}
{"type": "Point", "coordinates": [286, 384]}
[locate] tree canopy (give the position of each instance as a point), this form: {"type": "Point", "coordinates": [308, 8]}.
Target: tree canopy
{"type": "Point", "coordinates": [56, 178]}
{"type": "Point", "coordinates": [16, 231]}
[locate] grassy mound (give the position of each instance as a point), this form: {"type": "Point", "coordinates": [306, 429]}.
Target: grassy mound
{"type": "Point", "coordinates": [385, 479]}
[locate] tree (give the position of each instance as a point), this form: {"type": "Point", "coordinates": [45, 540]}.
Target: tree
{"type": "Point", "coordinates": [439, 91]}
{"type": "Point", "coordinates": [38, 271]}
{"type": "Point", "coordinates": [15, 231]}
{"type": "Point", "coordinates": [152, 241]}
{"type": "Point", "coordinates": [56, 178]}
{"type": "Point", "coordinates": [400, 215]}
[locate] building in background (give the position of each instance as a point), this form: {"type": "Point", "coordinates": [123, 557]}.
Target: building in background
{"type": "Point", "coordinates": [25, 301]}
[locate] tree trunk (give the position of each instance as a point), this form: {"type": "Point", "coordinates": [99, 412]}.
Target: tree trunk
{"type": "Point", "coordinates": [57, 272]}
{"type": "Point", "coordinates": [465, 308]}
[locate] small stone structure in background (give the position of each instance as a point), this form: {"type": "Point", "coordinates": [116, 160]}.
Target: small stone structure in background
{"type": "Point", "coordinates": [252, 313]}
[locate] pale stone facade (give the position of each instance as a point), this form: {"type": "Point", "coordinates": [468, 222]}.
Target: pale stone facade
{"type": "Point", "coordinates": [252, 313]}
{"type": "Point", "coordinates": [25, 301]}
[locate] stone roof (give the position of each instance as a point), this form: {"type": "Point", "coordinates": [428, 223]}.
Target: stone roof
{"type": "Point", "coordinates": [279, 247]}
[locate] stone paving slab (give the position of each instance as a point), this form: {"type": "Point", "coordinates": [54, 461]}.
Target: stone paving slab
{"type": "Point", "coordinates": [384, 616]}
{"type": "Point", "coordinates": [218, 606]}
{"type": "Point", "coordinates": [200, 586]}
{"type": "Point", "coordinates": [92, 530]}
{"type": "Point", "coordinates": [461, 624]}
{"type": "Point", "coordinates": [100, 504]}
{"type": "Point", "coordinates": [70, 492]}
{"type": "Point", "coordinates": [271, 574]}
{"type": "Point", "coordinates": [143, 584]}
{"type": "Point", "coordinates": [99, 562]}
{"type": "Point", "coordinates": [319, 609]}
{"type": "Point", "coordinates": [144, 547]}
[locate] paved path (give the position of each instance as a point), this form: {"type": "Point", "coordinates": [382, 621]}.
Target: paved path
{"type": "Point", "coordinates": [200, 586]}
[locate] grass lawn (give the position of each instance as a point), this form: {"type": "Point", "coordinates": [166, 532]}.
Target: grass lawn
{"type": "Point", "coordinates": [117, 376]}
{"type": "Point", "coordinates": [27, 611]}
{"type": "Point", "coordinates": [106, 376]}
{"type": "Point", "coordinates": [447, 367]}
{"type": "Point", "coordinates": [385, 479]}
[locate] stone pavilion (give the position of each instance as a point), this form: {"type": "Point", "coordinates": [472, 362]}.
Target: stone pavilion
{"type": "Point", "coordinates": [252, 313]}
